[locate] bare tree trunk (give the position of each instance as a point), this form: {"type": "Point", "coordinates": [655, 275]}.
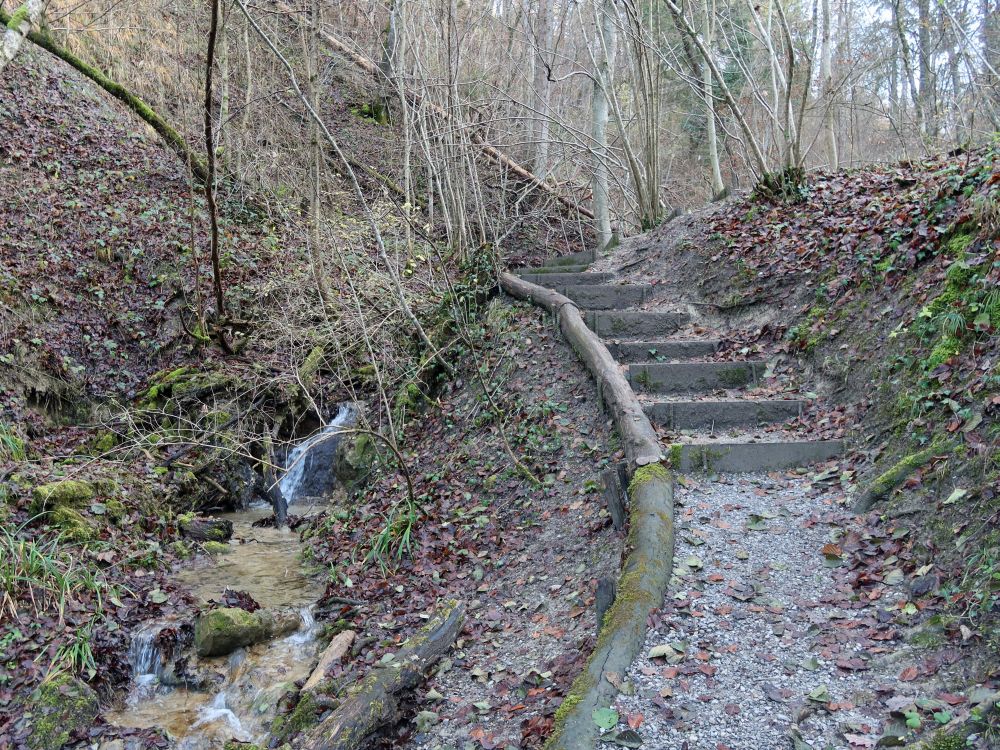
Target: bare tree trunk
{"type": "Point", "coordinates": [213, 211]}
{"type": "Point", "coordinates": [541, 90]}
{"type": "Point", "coordinates": [927, 83]}
{"type": "Point", "coordinates": [25, 18]}
{"type": "Point", "coordinates": [898, 11]}
{"type": "Point", "coordinates": [605, 54]}
{"type": "Point", "coordinates": [826, 76]}
{"type": "Point", "coordinates": [311, 45]}
{"type": "Point", "coordinates": [718, 186]}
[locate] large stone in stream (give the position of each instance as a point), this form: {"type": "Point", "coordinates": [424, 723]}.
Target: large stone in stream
{"type": "Point", "coordinates": [222, 631]}
{"type": "Point", "coordinates": [59, 707]}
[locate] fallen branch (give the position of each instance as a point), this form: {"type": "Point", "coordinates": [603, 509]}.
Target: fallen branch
{"type": "Point", "coordinates": [650, 542]}
{"type": "Point", "coordinates": [895, 476]}
{"type": "Point", "coordinates": [119, 92]}
{"type": "Point", "coordinates": [377, 703]}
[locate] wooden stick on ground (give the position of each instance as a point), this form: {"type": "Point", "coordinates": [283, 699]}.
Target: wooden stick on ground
{"type": "Point", "coordinates": [376, 703]}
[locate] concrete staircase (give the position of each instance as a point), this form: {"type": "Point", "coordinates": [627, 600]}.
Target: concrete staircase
{"type": "Point", "coordinates": [713, 424]}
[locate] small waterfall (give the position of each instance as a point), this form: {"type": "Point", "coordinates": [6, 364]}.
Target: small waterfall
{"type": "Point", "coordinates": [144, 655]}
{"type": "Point", "coordinates": [302, 460]}
{"type": "Point", "coordinates": [308, 630]}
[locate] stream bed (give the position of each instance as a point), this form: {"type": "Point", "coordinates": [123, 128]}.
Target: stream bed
{"type": "Point", "coordinates": [243, 688]}
{"type": "Point", "coordinates": [266, 563]}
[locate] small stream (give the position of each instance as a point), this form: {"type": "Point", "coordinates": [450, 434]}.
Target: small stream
{"type": "Point", "coordinates": [237, 694]}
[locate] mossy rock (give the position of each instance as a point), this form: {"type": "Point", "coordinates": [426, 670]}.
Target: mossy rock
{"type": "Point", "coordinates": [222, 631]}
{"type": "Point", "coordinates": [106, 442]}
{"type": "Point", "coordinates": [71, 524]}
{"type": "Point", "coordinates": [217, 548]}
{"type": "Point", "coordinates": [69, 493]}
{"type": "Point", "coordinates": [59, 707]}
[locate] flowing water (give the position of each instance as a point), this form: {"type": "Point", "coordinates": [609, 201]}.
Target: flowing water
{"type": "Point", "coordinates": [240, 690]}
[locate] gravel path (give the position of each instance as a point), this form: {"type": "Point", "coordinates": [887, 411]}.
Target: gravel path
{"type": "Point", "coordinates": [756, 622]}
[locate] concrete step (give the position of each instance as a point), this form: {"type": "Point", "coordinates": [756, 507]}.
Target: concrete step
{"type": "Point", "coordinates": [550, 269]}
{"type": "Point", "coordinates": [693, 377]}
{"type": "Point", "coordinates": [655, 351]}
{"type": "Point", "coordinates": [607, 296]}
{"type": "Point", "coordinates": [720, 456]}
{"type": "Point", "coordinates": [558, 280]}
{"type": "Point", "coordinates": [611, 324]}
{"type": "Point", "coordinates": [584, 257]}
{"type": "Point", "coordinates": [693, 415]}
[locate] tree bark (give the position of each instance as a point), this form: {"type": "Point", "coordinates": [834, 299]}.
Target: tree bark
{"type": "Point", "coordinates": [18, 27]}
{"type": "Point", "coordinates": [202, 529]}
{"type": "Point", "coordinates": [377, 703]}
{"type": "Point", "coordinates": [213, 211]}
{"type": "Point", "coordinates": [927, 83]}
{"type": "Point", "coordinates": [605, 54]}
{"type": "Point", "coordinates": [718, 186]}
{"type": "Point", "coordinates": [542, 35]}
{"type": "Point", "coordinates": [826, 78]}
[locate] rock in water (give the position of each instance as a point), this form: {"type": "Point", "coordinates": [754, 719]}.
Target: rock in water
{"type": "Point", "coordinates": [59, 707]}
{"type": "Point", "coordinates": [222, 631]}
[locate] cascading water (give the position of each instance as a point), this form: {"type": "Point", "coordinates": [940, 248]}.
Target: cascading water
{"type": "Point", "coordinates": [244, 688]}
{"type": "Point", "coordinates": [310, 465]}
{"type": "Point", "coordinates": [144, 654]}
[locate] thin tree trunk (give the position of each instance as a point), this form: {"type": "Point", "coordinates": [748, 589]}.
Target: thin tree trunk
{"type": "Point", "coordinates": [926, 90]}
{"type": "Point", "coordinates": [826, 76]}
{"type": "Point", "coordinates": [542, 35]}
{"type": "Point", "coordinates": [605, 53]}
{"type": "Point", "coordinates": [213, 211]}
{"type": "Point", "coordinates": [718, 186]}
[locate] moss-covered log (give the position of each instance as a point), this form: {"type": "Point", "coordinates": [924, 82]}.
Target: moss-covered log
{"type": "Point", "coordinates": [650, 543]}
{"type": "Point", "coordinates": [891, 479]}
{"type": "Point", "coordinates": [202, 529]}
{"type": "Point", "coordinates": [376, 703]}
{"type": "Point", "coordinates": [641, 587]}
{"type": "Point", "coordinates": [122, 94]}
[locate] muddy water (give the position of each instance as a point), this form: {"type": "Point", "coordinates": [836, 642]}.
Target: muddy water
{"type": "Point", "coordinates": [246, 684]}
